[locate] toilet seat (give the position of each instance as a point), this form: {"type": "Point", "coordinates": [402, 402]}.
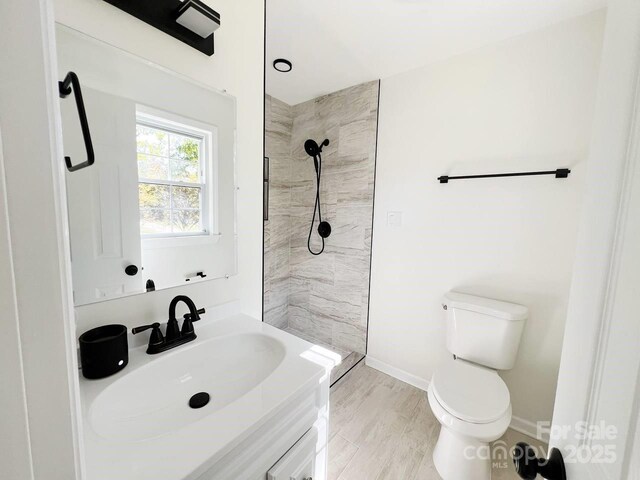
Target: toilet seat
{"type": "Point", "coordinates": [471, 393]}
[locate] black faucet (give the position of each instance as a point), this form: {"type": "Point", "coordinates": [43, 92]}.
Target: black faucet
{"type": "Point", "coordinates": [174, 335]}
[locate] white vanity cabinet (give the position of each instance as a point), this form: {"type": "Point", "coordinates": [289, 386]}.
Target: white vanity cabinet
{"type": "Point", "coordinates": [299, 463]}
{"type": "Point", "coordinates": [291, 445]}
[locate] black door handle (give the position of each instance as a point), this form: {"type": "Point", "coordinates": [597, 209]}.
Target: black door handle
{"type": "Point", "coordinates": [131, 270]}
{"type": "Point", "coordinates": [69, 85]}
{"type": "Point", "coordinates": [528, 466]}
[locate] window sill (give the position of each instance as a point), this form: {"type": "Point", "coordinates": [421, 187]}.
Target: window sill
{"type": "Point", "coordinates": [186, 241]}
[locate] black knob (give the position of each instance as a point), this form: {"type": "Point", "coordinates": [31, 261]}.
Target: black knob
{"type": "Point", "coordinates": [324, 229]}
{"type": "Point", "coordinates": [131, 270]}
{"type": "Point", "coordinates": [528, 466]}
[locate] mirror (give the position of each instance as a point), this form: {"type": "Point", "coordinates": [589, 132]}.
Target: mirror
{"type": "Point", "coordinates": [157, 209]}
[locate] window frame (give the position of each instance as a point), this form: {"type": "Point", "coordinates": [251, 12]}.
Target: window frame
{"type": "Point", "coordinates": [208, 135]}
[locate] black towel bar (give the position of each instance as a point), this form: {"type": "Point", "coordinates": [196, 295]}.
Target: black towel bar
{"type": "Point", "coordinates": [69, 85]}
{"type": "Point", "coordinates": [559, 173]}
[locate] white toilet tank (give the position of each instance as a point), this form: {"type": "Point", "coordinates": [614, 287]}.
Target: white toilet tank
{"type": "Point", "coordinates": [483, 330]}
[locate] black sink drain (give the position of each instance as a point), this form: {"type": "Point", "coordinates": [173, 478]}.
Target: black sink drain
{"type": "Point", "coordinates": [199, 400]}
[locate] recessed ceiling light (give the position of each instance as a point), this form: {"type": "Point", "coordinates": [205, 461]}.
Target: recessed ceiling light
{"type": "Point", "coordinates": [282, 65]}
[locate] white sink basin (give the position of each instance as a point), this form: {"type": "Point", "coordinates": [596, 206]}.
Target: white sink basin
{"type": "Point", "coordinates": [153, 400]}
{"type": "Point", "coordinates": [138, 424]}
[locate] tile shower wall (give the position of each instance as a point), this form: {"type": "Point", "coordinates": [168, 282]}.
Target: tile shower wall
{"type": "Point", "coordinates": [278, 126]}
{"type": "Point", "coordinates": [325, 296]}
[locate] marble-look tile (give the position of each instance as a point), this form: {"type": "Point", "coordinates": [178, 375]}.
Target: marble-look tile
{"type": "Point", "coordinates": [298, 300]}
{"type": "Point", "coordinates": [328, 109]}
{"type": "Point", "coordinates": [331, 163]}
{"type": "Point", "coordinates": [361, 161]}
{"type": "Point", "coordinates": [349, 337]}
{"type": "Point", "coordinates": [303, 193]}
{"type": "Point", "coordinates": [277, 316]}
{"type": "Point", "coordinates": [347, 235]}
{"type": "Point", "coordinates": [339, 305]}
{"type": "Point", "coordinates": [349, 296]}
{"type": "Point", "coordinates": [356, 138]}
{"type": "Point", "coordinates": [316, 269]}
{"type": "Point", "coordinates": [352, 271]}
{"type": "Point", "coordinates": [298, 315]}
{"type": "Point", "coordinates": [362, 100]}
{"type": "Point", "coordinates": [354, 213]}
{"type": "Point", "coordinates": [280, 172]}
{"type": "Point", "coordinates": [277, 144]}
{"type": "Point", "coordinates": [298, 285]}
{"type": "Point", "coordinates": [281, 117]}
{"type": "Point", "coordinates": [356, 186]}
{"type": "Point", "coordinates": [267, 112]}
{"type": "Point", "coordinates": [300, 221]}
{"type": "Point", "coordinates": [279, 227]}
{"type": "Point", "coordinates": [364, 311]}
{"type": "Point", "coordinates": [337, 312]}
{"type": "Point", "coordinates": [315, 326]}
{"type": "Point", "coordinates": [279, 198]}
{"type": "Point", "coordinates": [298, 252]}
{"type": "Point", "coordinates": [278, 128]}
{"type": "Point", "coordinates": [267, 236]}
{"type": "Point", "coordinates": [277, 265]}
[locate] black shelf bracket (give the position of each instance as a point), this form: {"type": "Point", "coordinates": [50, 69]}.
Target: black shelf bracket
{"type": "Point", "coordinates": [559, 173]}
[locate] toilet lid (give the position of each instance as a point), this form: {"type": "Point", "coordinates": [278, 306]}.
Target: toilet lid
{"type": "Point", "coordinates": [470, 392]}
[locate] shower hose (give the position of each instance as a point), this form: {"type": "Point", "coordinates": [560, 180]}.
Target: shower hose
{"type": "Point", "coordinates": [317, 160]}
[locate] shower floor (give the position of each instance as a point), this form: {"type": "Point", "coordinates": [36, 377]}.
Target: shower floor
{"type": "Point", "coordinates": [349, 359]}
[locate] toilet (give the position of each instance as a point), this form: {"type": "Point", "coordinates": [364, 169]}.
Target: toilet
{"type": "Point", "coordinates": [466, 394]}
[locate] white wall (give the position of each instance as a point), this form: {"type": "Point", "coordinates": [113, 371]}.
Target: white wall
{"type": "Point", "coordinates": [236, 67]}
{"type": "Point", "coordinates": [524, 104]}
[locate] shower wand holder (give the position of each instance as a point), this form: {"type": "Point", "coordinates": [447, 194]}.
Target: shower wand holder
{"type": "Point", "coordinates": [324, 228]}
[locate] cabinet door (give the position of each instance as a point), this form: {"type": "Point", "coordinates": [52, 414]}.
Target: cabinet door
{"type": "Point", "coordinates": [299, 462]}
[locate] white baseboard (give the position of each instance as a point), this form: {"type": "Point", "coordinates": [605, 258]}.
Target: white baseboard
{"type": "Point", "coordinates": [518, 424]}
{"type": "Point", "coordinates": [528, 428]}
{"type": "Point", "coordinates": [406, 377]}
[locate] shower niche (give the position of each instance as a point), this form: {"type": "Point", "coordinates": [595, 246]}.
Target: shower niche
{"type": "Point", "coordinates": [316, 275]}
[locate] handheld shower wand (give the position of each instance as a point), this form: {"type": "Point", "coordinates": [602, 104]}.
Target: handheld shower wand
{"type": "Point", "coordinates": [324, 228]}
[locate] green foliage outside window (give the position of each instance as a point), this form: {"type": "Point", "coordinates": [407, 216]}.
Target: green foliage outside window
{"type": "Point", "coordinates": [175, 159]}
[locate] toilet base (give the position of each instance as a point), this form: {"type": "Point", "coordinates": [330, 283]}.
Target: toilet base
{"type": "Point", "coordinates": [461, 458]}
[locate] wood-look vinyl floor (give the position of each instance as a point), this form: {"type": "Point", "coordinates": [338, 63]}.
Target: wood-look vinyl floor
{"type": "Point", "coordinates": [383, 429]}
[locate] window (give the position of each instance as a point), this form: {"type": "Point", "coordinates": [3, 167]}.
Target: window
{"type": "Point", "coordinates": [173, 170]}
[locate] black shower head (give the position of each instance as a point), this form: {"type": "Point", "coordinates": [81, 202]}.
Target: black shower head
{"type": "Point", "coordinates": [312, 148]}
